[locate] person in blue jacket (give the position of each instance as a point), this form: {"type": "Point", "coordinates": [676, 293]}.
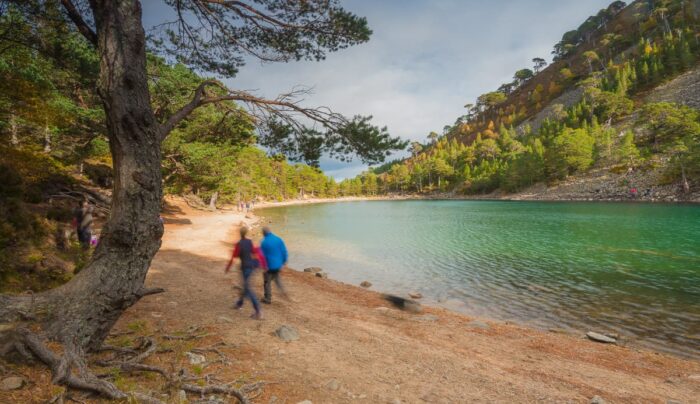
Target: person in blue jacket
{"type": "Point", "coordinates": [275, 253]}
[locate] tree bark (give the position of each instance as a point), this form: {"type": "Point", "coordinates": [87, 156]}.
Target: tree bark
{"type": "Point", "coordinates": [80, 313]}
{"type": "Point", "coordinates": [47, 139]}
{"type": "Point", "coordinates": [212, 201]}
{"type": "Point", "coordinates": [14, 139]}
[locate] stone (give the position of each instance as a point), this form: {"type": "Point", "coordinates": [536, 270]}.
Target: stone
{"type": "Point", "coordinates": [415, 295]}
{"type": "Point", "coordinates": [287, 333]}
{"type": "Point", "coordinates": [12, 383]}
{"type": "Point", "coordinates": [395, 401]}
{"type": "Point", "coordinates": [322, 275]}
{"type": "Point", "coordinates": [695, 377]}
{"type": "Point", "coordinates": [366, 284]}
{"type": "Point", "coordinates": [673, 402]}
{"type": "Point", "coordinates": [333, 385]}
{"type": "Point", "coordinates": [597, 400]}
{"type": "Point", "coordinates": [427, 318]}
{"type": "Point", "coordinates": [273, 400]}
{"type": "Point", "coordinates": [305, 402]}
{"type": "Point", "coordinates": [224, 319]}
{"type": "Point", "coordinates": [594, 336]}
{"type": "Point", "coordinates": [196, 359]}
{"type": "Point", "coordinates": [313, 270]}
{"type": "Point", "coordinates": [181, 397]}
{"type": "Point", "coordinates": [478, 324]}
{"type": "Point", "coordinates": [413, 307]}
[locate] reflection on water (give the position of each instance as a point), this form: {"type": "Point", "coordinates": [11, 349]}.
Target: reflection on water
{"type": "Point", "coordinates": [633, 269]}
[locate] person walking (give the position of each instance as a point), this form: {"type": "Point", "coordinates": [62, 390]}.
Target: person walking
{"type": "Point", "coordinates": [83, 223]}
{"type": "Point", "coordinates": [251, 259]}
{"type": "Point", "coordinates": [275, 253]}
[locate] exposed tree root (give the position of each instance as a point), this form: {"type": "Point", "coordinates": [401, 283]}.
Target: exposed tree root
{"type": "Point", "coordinates": [216, 390]}
{"type": "Point", "coordinates": [180, 379]}
{"type": "Point", "coordinates": [61, 367]}
{"type": "Point", "coordinates": [70, 369]}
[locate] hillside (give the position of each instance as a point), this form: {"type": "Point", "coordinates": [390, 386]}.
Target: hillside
{"type": "Point", "coordinates": [620, 98]}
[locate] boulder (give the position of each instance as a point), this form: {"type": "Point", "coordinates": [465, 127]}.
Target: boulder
{"type": "Point", "coordinates": [11, 383]}
{"type": "Point", "coordinates": [366, 284]}
{"type": "Point", "coordinates": [313, 270]}
{"type": "Point", "coordinates": [594, 336]}
{"type": "Point", "coordinates": [287, 333]}
{"type": "Point", "coordinates": [196, 359]}
{"type": "Point", "coordinates": [321, 275]}
{"type": "Point", "coordinates": [415, 295]}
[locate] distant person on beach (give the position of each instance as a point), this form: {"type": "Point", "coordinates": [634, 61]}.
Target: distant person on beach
{"type": "Point", "coordinates": [251, 259]}
{"type": "Point", "coordinates": [83, 223]}
{"type": "Point", "coordinates": [275, 253]}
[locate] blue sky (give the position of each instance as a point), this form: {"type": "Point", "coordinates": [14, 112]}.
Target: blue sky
{"type": "Point", "coordinates": [426, 59]}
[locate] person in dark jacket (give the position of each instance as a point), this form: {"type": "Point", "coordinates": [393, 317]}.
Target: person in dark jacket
{"type": "Point", "coordinates": [251, 259]}
{"type": "Point", "coordinates": [83, 223]}
{"type": "Point", "coordinates": [275, 253]}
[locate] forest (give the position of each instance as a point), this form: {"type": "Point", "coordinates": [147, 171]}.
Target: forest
{"type": "Point", "coordinates": [609, 62]}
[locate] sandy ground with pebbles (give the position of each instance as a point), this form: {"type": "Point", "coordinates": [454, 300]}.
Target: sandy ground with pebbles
{"type": "Point", "coordinates": [354, 347]}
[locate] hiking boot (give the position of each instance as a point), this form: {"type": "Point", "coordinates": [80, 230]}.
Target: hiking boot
{"type": "Point", "coordinates": [266, 301]}
{"type": "Point", "coordinates": [257, 316]}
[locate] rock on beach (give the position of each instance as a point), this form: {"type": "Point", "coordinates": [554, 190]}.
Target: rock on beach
{"type": "Point", "coordinates": [597, 337]}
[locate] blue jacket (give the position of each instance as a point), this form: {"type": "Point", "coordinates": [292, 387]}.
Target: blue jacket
{"type": "Point", "coordinates": [275, 252]}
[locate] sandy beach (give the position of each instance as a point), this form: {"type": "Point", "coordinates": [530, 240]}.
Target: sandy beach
{"type": "Point", "coordinates": [354, 347]}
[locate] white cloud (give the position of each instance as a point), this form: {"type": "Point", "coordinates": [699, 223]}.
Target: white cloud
{"type": "Point", "coordinates": [425, 60]}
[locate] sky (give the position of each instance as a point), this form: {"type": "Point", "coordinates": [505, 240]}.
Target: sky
{"type": "Point", "coordinates": [425, 60]}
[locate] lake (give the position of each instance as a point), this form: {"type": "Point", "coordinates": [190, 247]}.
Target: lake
{"type": "Point", "coordinates": [633, 269]}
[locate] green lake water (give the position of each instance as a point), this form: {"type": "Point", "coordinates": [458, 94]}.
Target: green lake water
{"type": "Point", "coordinates": [633, 269]}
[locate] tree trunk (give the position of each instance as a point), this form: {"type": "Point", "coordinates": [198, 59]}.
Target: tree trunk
{"type": "Point", "coordinates": [81, 313]}
{"type": "Point", "coordinates": [212, 201]}
{"type": "Point", "coordinates": [684, 180]}
{"type": "Point", "coordinates": [47, 139]}
{"type": "Point", "coordinates": [14, 138]}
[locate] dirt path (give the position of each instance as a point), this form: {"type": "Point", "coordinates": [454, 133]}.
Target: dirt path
{"type": "Point", "coordinates": [353, 348]}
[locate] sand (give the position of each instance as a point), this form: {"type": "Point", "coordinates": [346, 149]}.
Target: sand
{"type": "Point", "coordinates": [354, 347]}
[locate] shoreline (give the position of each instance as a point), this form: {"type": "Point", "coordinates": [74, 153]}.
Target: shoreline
{"type": "Point", "coordinates": [350, 345]}
{"type": "Point", "coordinates": [578, 330]}
{"type": "Point", "coordinates": [351, 336]}
{"type": "Point", "coordinates": [437, 198]}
